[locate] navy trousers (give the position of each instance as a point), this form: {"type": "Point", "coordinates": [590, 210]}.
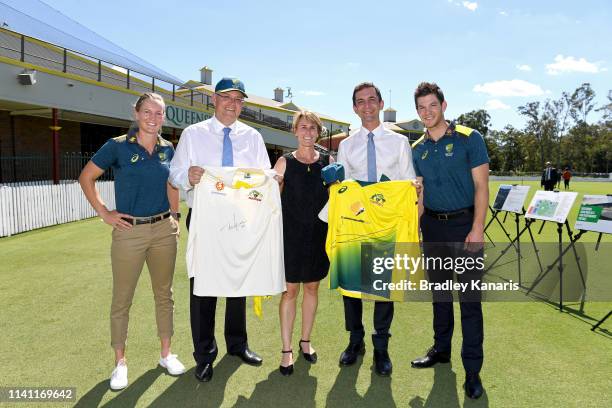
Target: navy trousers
{"type": "Point", "coordinates": [202, 312]}
{"type": "Point", "coordinates": [444, 238]}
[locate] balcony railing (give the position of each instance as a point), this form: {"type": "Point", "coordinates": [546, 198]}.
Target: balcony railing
{"type": "Point", "coordinates": [41, 53]}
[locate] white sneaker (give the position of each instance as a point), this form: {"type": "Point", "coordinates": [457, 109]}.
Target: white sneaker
{"type": "Point", "coordinates": [119, 378]}
{"type": "Point", "coordinates": [172, 364]}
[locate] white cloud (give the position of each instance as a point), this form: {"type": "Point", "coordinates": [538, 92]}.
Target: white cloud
{"type": "Point", "coordinates": [523, 67]}
{"type": "Point", "coordinates": [470, 5]}
{"type": "Point", "coordinates": [514, 87]}
{"type": "Point", "coordinates": [312, 93]}
{"type": "Point", "coordinates": [570, 64]}
{"type": "Point", "coordinates": [504, 13]}
{"type": "Point", "coordinates": [496, 104]}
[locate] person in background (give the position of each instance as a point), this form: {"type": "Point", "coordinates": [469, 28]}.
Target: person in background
{"type": "Point", "coordinates": [567, 175]}
{"type": "Point", "coordinates": [550, 177]}
{"type": "Point", "coordinates": [145, 226]}
{"type": "Point", "coordinates": [303, 195]}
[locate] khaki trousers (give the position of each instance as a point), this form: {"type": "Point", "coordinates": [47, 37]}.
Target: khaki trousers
{"type": "Point", "coordinates": [156, 244]}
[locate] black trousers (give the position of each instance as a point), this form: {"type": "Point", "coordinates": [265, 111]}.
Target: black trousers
{"type": "Point", "coordinates": [383, 316]}
{"type": "Point", "coordinates": [438, 238]}
{"type": "Point", "coordinates": [202, 312]}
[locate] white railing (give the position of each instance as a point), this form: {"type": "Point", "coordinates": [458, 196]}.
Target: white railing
{"type": "Point", "coordinates": [25, 208]}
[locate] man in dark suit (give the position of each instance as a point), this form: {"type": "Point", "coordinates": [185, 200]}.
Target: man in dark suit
{"type": "Point", "coordinates": [550, 176]}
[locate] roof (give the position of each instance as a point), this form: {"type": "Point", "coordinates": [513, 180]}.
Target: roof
{"type": "Point", "coordinates": [392, 126]}
{"type": "Point", "coordinates": [289, 106]}
{"type": "Point", "coordinates": [38, 20]}
{"type": "Point", "coordinates": [413, 125]}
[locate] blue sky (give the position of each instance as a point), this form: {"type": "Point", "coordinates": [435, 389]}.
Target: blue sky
{"type": "Point", "coordinates": [484, 54]}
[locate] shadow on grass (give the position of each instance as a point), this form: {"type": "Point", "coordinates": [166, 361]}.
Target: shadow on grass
{"type": "Point", "coordinates": [444, 392]}
{"type": "Point", "coordinates": [126, 398]}
{"type": "Point", "coordinates": [344, 391]}
{"type": "Point", "coordinates": [186, 391]}
{"type": "Point", "coordinates": [580, 315]}
{"type": "Point", "coordinates": [298, 389]}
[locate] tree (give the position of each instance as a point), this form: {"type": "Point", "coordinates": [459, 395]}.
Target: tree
{"type": "Point", "coordinates": [607, 110]}
{"type": "Point", "coordinates": [476, 119]}
{"type": "Point", "coordinates": [511, 149]}
{"type": "Point", "coordinates": [582, 102]}
{"type": "Point", "coordinates": [541, 126]}
{"type": "Point", "coordinates": [559, 113]}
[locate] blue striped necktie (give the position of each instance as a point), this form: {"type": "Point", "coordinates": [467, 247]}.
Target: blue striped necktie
{"type": "Point", "coordinates": [371, 158]}
{"type": "Point", "coordinates": [227, 160]}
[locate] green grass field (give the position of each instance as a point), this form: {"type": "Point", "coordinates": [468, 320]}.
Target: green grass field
{"type": "Point", "coordinates": [54, 309]}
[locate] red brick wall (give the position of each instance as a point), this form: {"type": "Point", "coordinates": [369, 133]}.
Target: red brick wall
{"type": "Point", "coordinates": [33, 136]}
{"type": "Point", "coordinates": [6, 143]}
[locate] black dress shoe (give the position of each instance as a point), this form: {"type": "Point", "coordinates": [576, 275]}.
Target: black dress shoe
{"type": "Point", "coordinates": [432, 357]}
{"type": "Point", "coordinates": [249, 357]}
{"type": "Point", "coordinates": [204, 372]}
{"type": "Point", "coordinates": [382, 363]}
{"type": "Point", "coordinates": [349, 355]}
{"type": "Point", "coordinates": [311, 358]}
{"type": "Point", "coordinates": [288, 370]}
{"type": "Point", "coordinates": [473, 386]}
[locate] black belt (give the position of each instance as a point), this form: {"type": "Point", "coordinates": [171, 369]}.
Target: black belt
{"type": "Point", "coordinates": [443, 216]}
{"type": "Point", "coordinates": [148, 220]}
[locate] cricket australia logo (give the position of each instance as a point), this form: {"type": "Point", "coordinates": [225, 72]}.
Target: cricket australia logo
{"type": "Point", "coordinates": [378, 199]}
{"type": "Point", "coordinates": [162, 156]}
{"type": "Point", "coordinates": [255, 195]}
{"type": "Point", "coordinates": [449, 150]}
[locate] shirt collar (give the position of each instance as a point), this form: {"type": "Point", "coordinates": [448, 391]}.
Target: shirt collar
{"type": "Point", "coordinates": [449, 131]}
{"type": "Point", "coordinates": [378, 131]}
{"type": "Point", "coordinates": [131, 137]}
{"type": "Point", "coordinates": [218, 126]}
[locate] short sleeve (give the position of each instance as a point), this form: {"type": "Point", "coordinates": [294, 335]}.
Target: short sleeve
{"type": "Point", "coordinates": [477, 150]}
{"type": "Point", "coordinates": [169, 150]}
{"type": "Point", "coordinates": [106, 156]}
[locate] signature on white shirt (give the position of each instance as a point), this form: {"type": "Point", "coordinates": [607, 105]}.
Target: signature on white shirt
{"type": "Point", "coordinates": [234, 225]}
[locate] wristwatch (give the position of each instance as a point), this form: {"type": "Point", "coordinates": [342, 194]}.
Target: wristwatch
{"type": "Point", "coordinates": [175, 215]}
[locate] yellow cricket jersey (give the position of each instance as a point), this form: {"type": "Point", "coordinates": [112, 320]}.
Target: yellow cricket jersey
{"type": "Point", "coordinates": [381, 215]}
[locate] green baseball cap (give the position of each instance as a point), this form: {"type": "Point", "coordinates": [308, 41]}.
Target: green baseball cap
{"type": "Point", "coordinates": [230, 84]}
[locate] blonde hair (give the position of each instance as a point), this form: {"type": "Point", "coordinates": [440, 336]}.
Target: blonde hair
{"type": "Point", "coordinates": [309, 116]}
{"type": "Point", "coordinates": [148, 95]}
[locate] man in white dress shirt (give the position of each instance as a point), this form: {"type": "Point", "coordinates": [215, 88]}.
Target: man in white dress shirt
{"type": "Point", "coordinates": [369, 154]}
{"type": "Point", "coordinates": [219, 141]}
